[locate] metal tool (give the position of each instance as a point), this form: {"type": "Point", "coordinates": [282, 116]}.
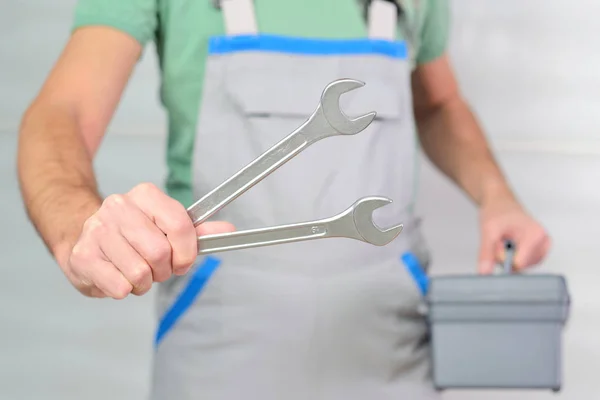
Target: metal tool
{"type": "Point", "coordinates": [355, 223]}
{"type": "Point", "coordinates": [327, 120]}
{"type": "Point", "coordinates": [509, 251]}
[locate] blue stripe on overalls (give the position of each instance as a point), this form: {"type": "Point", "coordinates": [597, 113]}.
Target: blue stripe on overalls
{"type": "Point", "coordinates": [289, 45]}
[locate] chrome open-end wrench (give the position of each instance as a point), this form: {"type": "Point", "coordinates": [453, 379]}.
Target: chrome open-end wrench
{"type": "Point", "coordinates": [356, 222]}
{"type": "Point", "coordinates": [327, 120]}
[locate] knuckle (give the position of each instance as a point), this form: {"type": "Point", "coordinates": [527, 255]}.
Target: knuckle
{"type": "Point", "coordinates": [142, 289]}
{"type": "Point", "coordinates": [183, 261]}
{"type": "Point", "coordinates": [120, 295]}
{"type": "Point", "coordinates": [159, 252]}
{"type": "Point", "coordinates": [139, 275]}
{"type": "Point", "coordinates": [144, 189]}
{"type": "Point", "coordinates": [79, 254]}
{"type": "Point", "coordinates": [93, 230]}
{"type": "Point", "coordinates": [121, 291]}
{"type": "Point", "coordinates": [113, 201]}
{"type": "Point", "coordinates": [186, 261]}
{"type": "Point", "coordinates": [93, 224]}
{"type": "Point", "coordinates": [83, 254]}
{"type": "Point", "coordinates": [181, 224]}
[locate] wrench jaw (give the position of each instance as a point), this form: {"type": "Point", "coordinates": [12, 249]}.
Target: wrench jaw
{"type": "Point", "coordinates": [330, 106]}
{"type": "Point", "coordinates": [363, 221]}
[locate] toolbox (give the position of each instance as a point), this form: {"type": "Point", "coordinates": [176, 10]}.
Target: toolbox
{"type": "Point", "coordinates": [499, 331]}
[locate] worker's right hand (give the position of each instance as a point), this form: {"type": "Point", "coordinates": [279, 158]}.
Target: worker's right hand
{"type": "Point", "coordinates": [133, 240]}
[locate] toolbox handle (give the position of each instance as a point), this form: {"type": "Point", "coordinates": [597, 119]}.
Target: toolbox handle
{"type": "Point", "coordinates": [509, 249]}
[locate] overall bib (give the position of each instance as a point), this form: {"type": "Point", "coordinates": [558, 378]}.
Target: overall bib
{"type": "Point", "coordinates": [324, 319]}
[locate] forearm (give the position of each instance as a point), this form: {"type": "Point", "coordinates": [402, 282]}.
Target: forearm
{"type": "Point", "coordinates": [56, 177]}
{"type": "Point", "coordinates": [453, 141]}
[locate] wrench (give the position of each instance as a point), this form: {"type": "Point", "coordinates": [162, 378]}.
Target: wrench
{"type": "Point", "coordinates": [327, 120]}
{"type": "Point", "coordinates": [356, 222]}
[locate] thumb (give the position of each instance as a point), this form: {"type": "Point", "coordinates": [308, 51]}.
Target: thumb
{"type": "Point", "coordinates": [487, 255]}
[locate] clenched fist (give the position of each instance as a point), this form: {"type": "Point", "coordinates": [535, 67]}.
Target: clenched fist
{"type": "Point", "coordinates": [133, 240]}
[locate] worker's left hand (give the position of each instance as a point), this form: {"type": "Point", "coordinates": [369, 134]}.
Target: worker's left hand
{"type": "Point", "coordinates": [506, 219]}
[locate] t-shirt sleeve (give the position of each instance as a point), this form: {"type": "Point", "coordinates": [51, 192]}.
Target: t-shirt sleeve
{"type": "Point", "coordinates": [137, 18]}
{"type": "Point", "coordinates": [434, 31]}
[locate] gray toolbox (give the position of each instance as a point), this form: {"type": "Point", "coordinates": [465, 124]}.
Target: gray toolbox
{"type": "Point", "coordinates": [497, 331]}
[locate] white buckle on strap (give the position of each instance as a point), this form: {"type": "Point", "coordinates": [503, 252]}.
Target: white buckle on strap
{"type": "Point", "coordinates": [239, 17]}
{"type": "Point", "coordinates": [383, 20]}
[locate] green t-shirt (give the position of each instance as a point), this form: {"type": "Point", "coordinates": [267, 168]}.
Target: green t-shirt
{"type": "Point", "coordinates": [181, 28]}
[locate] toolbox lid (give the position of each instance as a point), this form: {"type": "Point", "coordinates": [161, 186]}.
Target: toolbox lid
{"type": "Point", "coordinates": [513, 288]}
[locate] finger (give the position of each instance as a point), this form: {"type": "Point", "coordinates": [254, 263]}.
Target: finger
{"type": "Point", "coordinates": [531, 250]}
{"type": "Point", "coordinates": [129, 262]}
{"type": "Point", "coordinates": [91, 291]}
{"type": "Point", "coordinates": [210, 228]}
{"type": "Point", "coordinates": [88, 289]}
{"type": "Point", "coordinates": [151, 244]}
{"type": "Point", "coordinates": [83, 254]}
{"type": "Point", "coordinates": [142, 234]}
{"type": "Point", "coordinates": [487, 254]}
{"type": "Point", "coordinates": [172, 219]}
{"type": "Point", "coordinates": [109, 280]}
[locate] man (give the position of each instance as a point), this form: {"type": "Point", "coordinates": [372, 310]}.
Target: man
{"type": "Point", "coordinates": [326, 319]}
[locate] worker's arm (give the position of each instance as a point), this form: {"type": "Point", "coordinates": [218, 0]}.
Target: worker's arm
{"type": "Point", "coordinates": [106, 247]}
{"type": "Point", "coordinates": [451, 136]}
{"type": "Point", "coordinates": [62, 130]}
{"type": "Point", "coordinates": [453, 140]}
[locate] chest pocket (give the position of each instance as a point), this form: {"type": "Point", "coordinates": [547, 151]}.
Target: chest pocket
{"type": "Point", "coordinates": [271, 95]}
{"type": "Point", "coordinates": [279, 85]}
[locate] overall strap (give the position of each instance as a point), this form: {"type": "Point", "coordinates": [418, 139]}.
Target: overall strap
{"type": "Point", "coordinates": [382, 19]}
{"type": "Point", "coordinates": [239, 17]}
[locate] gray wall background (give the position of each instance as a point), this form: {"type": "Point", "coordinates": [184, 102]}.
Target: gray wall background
{"type": "Point", "coordinates": [530, 69]}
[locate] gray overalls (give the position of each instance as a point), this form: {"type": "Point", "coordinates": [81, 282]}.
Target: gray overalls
{"type": "Point", "coordinates": [325, 319]}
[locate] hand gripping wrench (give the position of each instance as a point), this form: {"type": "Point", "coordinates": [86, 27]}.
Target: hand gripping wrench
{"type": "Point", "coordinates": [327, 120]}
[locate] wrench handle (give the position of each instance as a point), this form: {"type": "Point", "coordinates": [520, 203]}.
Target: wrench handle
{"type": "Point", "coordinates": [262, 237]}
{"type": "Point", "coordinates": [247, 177]}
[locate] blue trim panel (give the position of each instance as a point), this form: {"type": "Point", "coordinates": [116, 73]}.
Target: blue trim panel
{"type": "Point", "coordinates": [416, 270]}
{"type": "Point", "coordinates": [306, 46]}
{"type": "Point", "coordinates": [187, 296]}
{"type": "Point", "coordinates": [203, 273]}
